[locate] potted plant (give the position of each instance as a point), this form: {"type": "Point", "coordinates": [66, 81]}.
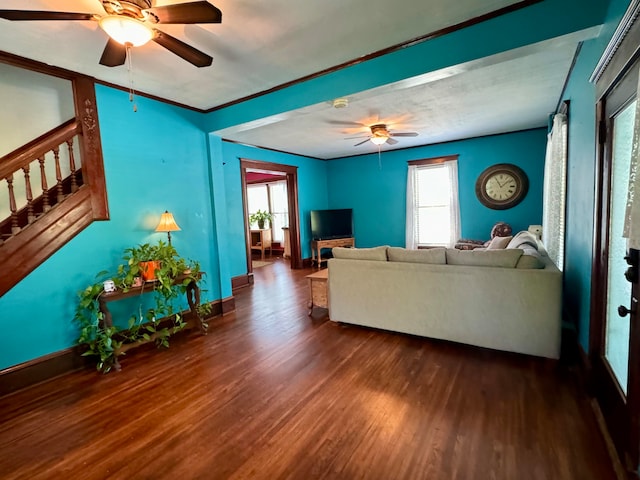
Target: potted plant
{"type": "Point", "coordinates": [260, 217]}
{"type": "Point", "coordinates": [172, 276]}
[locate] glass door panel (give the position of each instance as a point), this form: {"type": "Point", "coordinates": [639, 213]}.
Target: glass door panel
{"type": "Point", "coordinates": [618, 288]}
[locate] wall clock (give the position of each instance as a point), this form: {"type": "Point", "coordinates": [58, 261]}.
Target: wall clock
{"type": "Point", "coordinates": [502, 186]}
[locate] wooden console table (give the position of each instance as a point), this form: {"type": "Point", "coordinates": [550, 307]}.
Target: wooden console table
{"type": "Point", "coordinates": [193, 298]}
{"type": "Point", "coordinates": [318, 290]}
{"type": "Point", "coordinates": [318, 245]}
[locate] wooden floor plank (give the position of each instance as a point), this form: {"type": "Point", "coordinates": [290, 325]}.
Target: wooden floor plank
{"type": "Point", "coordinates": [271, 393]}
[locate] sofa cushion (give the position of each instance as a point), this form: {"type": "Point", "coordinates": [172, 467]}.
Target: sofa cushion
{"type": "Point", "coordinates": [499, 243]}
{"type": "Point", "coordinates": [427, 255]}
{"type": "Point", "coordinates": [530, 261]}
{"type": "Point", "coordinates": [375, 253]}
{"type": "Point", "coordinates": [485, 258]}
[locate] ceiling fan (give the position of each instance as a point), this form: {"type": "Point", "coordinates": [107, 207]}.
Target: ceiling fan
{"type": "Point", "coordinates": [129, 23]}
{"type": "Point", "coordinates": [380, 134]}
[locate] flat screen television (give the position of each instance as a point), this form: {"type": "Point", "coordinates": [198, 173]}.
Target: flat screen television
{"type": "Point", "coordinates": [328, 224]}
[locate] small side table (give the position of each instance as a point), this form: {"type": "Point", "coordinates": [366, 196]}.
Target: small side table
{"type": "Point", "coordinates": [318, 290]}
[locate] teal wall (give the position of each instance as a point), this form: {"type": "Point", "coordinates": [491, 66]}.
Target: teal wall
{"type": "Point", "coordinates": [581, 177]}
{"type": "Point", "coordinates": [376, 188]}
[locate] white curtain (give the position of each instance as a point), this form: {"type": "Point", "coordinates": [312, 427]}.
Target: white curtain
{"type": "Point", "coordinates": [632, 214]}
{"type": "Point", "coordinates": [411, 235]}
{"type": "Point", "coordinates": [454, 204]}
{"type": "Point", "coordinates": [554, 193]}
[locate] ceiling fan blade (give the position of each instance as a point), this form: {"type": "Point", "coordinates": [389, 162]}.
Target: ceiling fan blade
{"type": "Point", "coordinates": [184, 51]}
{"type": "Point", "coordinates": [346, 124]}
{"type": "Point", "coordinates": [114, 54]}
{"type": "Point", "coordinates": [391, 141]}
{"type": "Point", "coordinates": [361, 143]}
{"type": "Point", "coordinates": [358, 136]}
{"type": "Point", "coordinates": [404, 134]}
{"type": "Point", "coordinates": [192, 12]}
{"type": "Point", "coordinates": [43, 15]}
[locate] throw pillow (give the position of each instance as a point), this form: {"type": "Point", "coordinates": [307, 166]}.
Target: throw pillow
{"type": "Point", "coordinates": [499, 243]}
{"type": "Point", "coordinates": [375, 253]}
{"type": "Point", "coordinates": [485, 258]}
{"type": "Point", "coordinates": [427, 255]}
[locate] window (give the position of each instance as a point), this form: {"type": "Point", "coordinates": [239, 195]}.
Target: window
{"type": "Point", "coordinates": [433, 214]}
{"type": "Point", "coordinates": [271, 197]}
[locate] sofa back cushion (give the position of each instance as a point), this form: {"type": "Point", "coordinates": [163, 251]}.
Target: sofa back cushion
{"type": "Point", "coordinates": [375, 253]}
{"type": "Point", "coordinates": [428, 255]}
{"type": "Point", "coordinates": [485, 258]}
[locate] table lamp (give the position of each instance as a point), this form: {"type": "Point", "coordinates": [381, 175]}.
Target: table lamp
{"type": "Point", "coordinates": [167, 224]}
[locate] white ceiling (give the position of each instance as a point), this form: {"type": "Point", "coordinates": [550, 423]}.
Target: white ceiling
{"type": "Point", "coordinates": [260, 45]}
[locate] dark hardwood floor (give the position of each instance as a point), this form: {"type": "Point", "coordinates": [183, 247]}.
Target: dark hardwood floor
{"type": "Point", "coordinates": [271, 393]}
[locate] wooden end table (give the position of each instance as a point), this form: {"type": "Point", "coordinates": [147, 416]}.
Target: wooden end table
{"type": "Point", "coordinates": [318, 290]}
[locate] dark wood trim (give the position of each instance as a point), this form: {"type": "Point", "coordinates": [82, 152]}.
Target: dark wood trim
{"type": "Point", "coordinates": [40, 67]}
{"type": "Point", "coordinates": [242, 281]}
{"type": "Point", "coordinates": [275, 178]}
{"type": "Point", "coordinates": [292, 196]}
{"type": "Point", "coordinates": [228, 140]}
{"type": "Point", "coordinates": [385, 51]}
{"type": "Point", "coordinates": [40, 369]}
{"type": "Point", "coordinates": [91, 146]}
{"type": "Point", "coordinates": [576, 54]}
{"type": "Point", "coordinates": [433, 160]}
{"type": "Point", "coordinates": [227, 305]}
{"type": "Point", "coordinates": [150, 96]}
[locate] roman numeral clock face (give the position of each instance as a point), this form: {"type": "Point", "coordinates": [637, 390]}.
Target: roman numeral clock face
{"type": "Point", "coordinates": [502, 186]}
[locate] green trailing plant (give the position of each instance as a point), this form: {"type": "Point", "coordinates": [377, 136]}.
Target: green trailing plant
{"type": "Point", "coordinates": [260, 217]}
{"type": "Point", "coordinates": [173, 275]}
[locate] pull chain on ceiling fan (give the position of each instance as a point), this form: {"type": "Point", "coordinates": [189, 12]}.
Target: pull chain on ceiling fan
{"type": "Point", "coordinates": [130, 23]}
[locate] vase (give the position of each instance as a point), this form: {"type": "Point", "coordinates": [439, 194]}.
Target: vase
{"type": "Point", "coordinates": [261, 224]}
{"type": "Point", "coordinates": [148, 270]}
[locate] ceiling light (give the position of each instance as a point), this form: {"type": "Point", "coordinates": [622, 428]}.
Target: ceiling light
{"type": "Point", "coordinates": [378, 140]}
{"type": "Point", "coordinates": [341, 103]}
{"type": "Point", "coordinates": [126, 30]}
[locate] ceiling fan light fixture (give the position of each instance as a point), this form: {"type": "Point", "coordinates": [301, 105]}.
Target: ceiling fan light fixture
{"type": "Point", "coordinates": [378, 139]}
{"type": "Point", "coordinates": [126, 30]}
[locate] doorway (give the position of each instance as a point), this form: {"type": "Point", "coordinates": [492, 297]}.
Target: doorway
{"type": "Point", "coordinates": [282, 178]}
{"type": "Point", "coordinates": [614, 334]}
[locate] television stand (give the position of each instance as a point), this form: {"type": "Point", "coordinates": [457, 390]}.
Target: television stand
{"type": "Point", "coordinates": [318, 245]}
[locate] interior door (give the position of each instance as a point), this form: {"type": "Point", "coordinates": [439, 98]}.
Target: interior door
{"type": "Point", "coordinates": [616, 352]}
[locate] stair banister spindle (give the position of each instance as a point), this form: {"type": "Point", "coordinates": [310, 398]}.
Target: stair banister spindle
{"type": "Point", "coordinates": [59, 190]}
{"type": "Point", "coordinates": [29, 194]}
{"type": "Point", "coordinates": [72, 166]}
{"type": "Point", "coordinates": [45, 188]}
{"type": "Point", "coordinates": [12, 206]}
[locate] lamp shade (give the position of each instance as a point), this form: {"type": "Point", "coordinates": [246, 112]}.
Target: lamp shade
{"type": "Point", "coordinates": [126, 30]}
{"type": "Point", "coordinates": [167, 223]}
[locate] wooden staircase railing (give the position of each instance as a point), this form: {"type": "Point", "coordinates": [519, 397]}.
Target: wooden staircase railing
{"type": "Point", "coordinates": [17, 167]}
{"type": "Point", "coordinates": [50, 190]}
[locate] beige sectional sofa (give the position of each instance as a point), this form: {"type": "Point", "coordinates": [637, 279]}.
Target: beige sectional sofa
{"type": "Point", "coordinates": [492, 299]}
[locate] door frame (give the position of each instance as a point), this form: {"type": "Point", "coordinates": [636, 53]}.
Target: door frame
{"type": "Point", "coordinates": [616, 79]}
{"type": "Point", "coordinates": [291, 174]}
